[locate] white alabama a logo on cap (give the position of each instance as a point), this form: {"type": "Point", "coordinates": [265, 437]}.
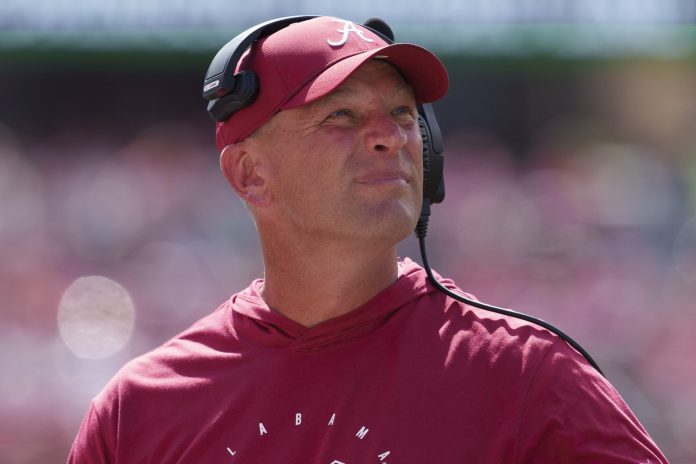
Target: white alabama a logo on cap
{"type": "Point", "coordinates": [348, 27]}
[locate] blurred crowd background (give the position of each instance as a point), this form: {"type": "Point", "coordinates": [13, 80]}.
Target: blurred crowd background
{"type": "Point", "coordinates": [570, 137]}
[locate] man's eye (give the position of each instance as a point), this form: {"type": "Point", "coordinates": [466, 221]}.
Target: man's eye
{"type": "Point", "coordinates": [407, 110]}
{"type": "Point", "coordinates": [340, 113]}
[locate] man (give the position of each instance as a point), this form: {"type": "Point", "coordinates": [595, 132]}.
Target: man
{"type": "Point", "coordinates": [342, 353]}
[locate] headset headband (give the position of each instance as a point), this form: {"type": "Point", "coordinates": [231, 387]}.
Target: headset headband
{"type": "Point", "coordinates": [220, 79]}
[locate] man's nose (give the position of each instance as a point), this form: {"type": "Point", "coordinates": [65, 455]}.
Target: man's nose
{"type": "Point", "coordinates": [384, 135]}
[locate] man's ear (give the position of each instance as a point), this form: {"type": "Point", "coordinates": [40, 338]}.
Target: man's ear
{"type": "Point", "coordinates": [245, 174]}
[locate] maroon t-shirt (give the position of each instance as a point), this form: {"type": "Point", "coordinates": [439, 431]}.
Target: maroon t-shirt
{"type": "Point", "coordinates": [412, 376]}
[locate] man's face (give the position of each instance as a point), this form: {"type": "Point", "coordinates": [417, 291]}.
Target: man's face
{"type": "Point", "coordinates": [348, 165]}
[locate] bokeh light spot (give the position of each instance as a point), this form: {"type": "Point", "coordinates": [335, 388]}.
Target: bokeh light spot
{"type": "Point", "coordinates": [95, 317]}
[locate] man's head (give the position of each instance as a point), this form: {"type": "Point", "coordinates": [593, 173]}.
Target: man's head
{"type": "Point", "coordinates": [331, 147]}
{"type": "Point", "coordinates": [309, 59]}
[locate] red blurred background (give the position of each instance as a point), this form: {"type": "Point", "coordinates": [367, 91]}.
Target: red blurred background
{"type": "Point", "coordinates": [570, 195]}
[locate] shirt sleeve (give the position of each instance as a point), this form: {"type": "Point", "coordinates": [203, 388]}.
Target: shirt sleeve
{"type": "Point", "coordinates": [574, 415]}
{"type": "Point", "coordinates": [91, 444]}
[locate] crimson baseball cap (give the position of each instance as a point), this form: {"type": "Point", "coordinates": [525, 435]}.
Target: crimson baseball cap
{"type": "Point", "coordinates": [309, 59]}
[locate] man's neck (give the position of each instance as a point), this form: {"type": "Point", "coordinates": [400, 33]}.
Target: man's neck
{"type": "Point", "coordinates": [313, 285]}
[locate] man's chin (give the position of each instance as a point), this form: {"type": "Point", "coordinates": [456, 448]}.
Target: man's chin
{"type": "Point", "coordinates": [396, 221]}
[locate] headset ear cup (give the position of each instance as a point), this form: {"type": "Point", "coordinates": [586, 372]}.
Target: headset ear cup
{"type": "Point", "coordinates": [425, 135]}
{"type": "Point", "coordinates": [437, 178]}
{"type": "Point", "coordinates": [227, 92]}
{"type": "Point", "coordinates": [246, 87]}
{"type": "Point", "coordinates": [433, 165]}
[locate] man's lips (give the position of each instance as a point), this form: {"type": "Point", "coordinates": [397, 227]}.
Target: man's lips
{"type": "Point", "coordinates": [385, 178]}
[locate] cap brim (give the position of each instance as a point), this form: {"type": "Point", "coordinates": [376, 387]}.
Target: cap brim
{"type": "Point", "coordinates": [421, 69]}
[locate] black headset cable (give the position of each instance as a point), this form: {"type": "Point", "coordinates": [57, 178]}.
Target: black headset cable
{"type": "Point", "coordinates": [421, 232]}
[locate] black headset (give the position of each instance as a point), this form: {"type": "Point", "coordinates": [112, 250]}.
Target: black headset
{"type": "Point", "coordinates": [227, 93]}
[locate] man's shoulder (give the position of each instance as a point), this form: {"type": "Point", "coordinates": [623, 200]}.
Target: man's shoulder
{"type": "Point", "coordinates": [458, 323]}
{"type": "Point", "coordinates": [498, 349]}
{"type": "Point", "coordinates": [177, 363]}
{"type": "Point", "coordinates": [445, 309]}
{"type": "Point", "coordinates": [460, 316]}
{"type": "Point", "coordinates": [482, 337]}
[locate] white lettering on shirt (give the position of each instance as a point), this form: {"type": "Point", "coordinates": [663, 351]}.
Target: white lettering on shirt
{"type": "Point", "coordinates": [362, 432]}
{"type": "Point", "coordinates": [332, 419]}
{"type": "Point", "coordinates": [348, 27]}
{"type": "Point", "coordinates": [298, 418]}
{"type": "Point", "coordinates": [335, 461]}
{"type": "Point", "coordinates": [262, 429]}
{"type": "Point", "coordinates": [384, 455]}
{"type": "Point", "coordinates": [231, 452]}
